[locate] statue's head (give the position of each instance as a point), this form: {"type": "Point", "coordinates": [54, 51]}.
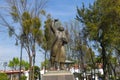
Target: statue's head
{"type": "Point", "coordinates": [65, 37]}
{"type": "Point", "coordinates": [60, 28]}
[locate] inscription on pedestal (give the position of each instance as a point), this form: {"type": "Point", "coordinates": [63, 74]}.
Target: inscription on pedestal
{"type": "Point", "coordinates": [58, 75]}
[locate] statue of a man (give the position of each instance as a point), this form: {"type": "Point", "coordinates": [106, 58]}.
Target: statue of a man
{"type": "Point", "coordinates": [58, 51]}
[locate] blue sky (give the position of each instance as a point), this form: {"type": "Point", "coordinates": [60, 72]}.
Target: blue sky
{"type": "Point", "coordinates": [64, 10]}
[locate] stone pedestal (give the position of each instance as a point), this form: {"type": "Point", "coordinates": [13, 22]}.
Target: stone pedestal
{"type": "Point", "coordinates": [58, 75]}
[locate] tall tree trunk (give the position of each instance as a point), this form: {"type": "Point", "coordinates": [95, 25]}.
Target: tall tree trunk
{"type": "Point", "coordinates": [93, 63]}
{"type": "Point", "coordinates": [33, 69]}
{"type": "Point", "coordinates": [20, 61]}
{"type": "Point", "coordinates": [104, 57]}
{"type": "Point", "coordinates": [113, 68]}
{"type": "Point", "coordinates": [30, 70]}
{"type": "Point", "coordinates": [45, 60]}
{"type": "Point", "coordinates": [83, 64]}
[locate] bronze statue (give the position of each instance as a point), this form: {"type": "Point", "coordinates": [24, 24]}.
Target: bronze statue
{"type": "Point", "coordinates": [57, 56]}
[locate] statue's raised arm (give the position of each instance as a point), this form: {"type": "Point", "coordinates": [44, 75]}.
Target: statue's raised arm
{"type": "Point", "coordinates": [53, 28]}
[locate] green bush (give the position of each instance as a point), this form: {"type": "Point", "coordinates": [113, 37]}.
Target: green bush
{"type": "Point", "coordinates": [3, 76]}
{"type": "Point", "coordinates": [23, 78]}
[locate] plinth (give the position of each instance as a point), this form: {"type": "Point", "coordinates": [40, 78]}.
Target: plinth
{"type": "Point", "coordinates": [58, 75]}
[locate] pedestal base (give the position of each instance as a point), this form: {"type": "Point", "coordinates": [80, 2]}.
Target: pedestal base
{"type": "Point", "coordinates": [58, 75]}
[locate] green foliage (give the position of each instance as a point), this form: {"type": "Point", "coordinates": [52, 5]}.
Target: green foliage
{"type": "Point", "coordinates": [26, 24]}
{"type": "Point", "coordinates": [35, 29]}
{"type": "Point", "coordinates": [3, 76]}
{"type": "Point", "coordinates": [36, 72]}
{"type": "Point", "coordinates": [25, 65]}
{"type": "Point", "coordinates": [89, 56]}
{"type": "Point", "coordinates": [26, 16]}
{"type": "Point", "coordinates": [14, 14]}
{"type": "Point", "coordinates": [48, 35]}
{"type": "Point", "coordinates": [113, 60]}
{"type": "Point", "coordinates": [45, 63]}
{"type": "Point", "coordinates": [15, 63]}
{"type": "Point", "coordinates": [23, 77]}
{"type": "Point", "coordinates": [101, 22]}
{"type": "Point", "coordinates": [98, 59]}
{"type": "Point", "coordinates": [31, 25]}
{"type": "Point", "coordinates": [43, 12]}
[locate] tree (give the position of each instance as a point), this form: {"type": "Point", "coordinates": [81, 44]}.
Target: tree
{"type": "Point", "coordinates": [24, 65]}
{"type": "Point", "coordinates": [14, 63]}
{"type": "Point", "coordinates": [48, 37]}
{"type": "Point", "coordinates": [78, 47]}
{"type": "Point", "coordinates": [23, 77]}
{"type": "Point", "coordinates": [3, 76]}
{"type": "Point", "coordinates": [26, 16]}
{"type": "Point", "coordinates": [102, 24]}
{"type": "Point", "coordinates": [73, 37]}
{"type": "Point", "coordinates": [36, 72]}
{"type": "Point", "coordinates": [45, 63]}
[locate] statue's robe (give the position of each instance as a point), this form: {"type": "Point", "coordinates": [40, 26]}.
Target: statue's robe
{"type": "Point", "coordinates": [58, 52]}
